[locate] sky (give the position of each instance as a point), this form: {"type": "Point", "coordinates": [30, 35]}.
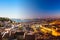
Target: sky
{"type": "Point", "coordinates": [25, 9]}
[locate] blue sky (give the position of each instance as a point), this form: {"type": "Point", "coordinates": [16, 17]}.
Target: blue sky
{"type": "Point", "coordinates": [24, 9]}
{"type": "Point", "coordinates": [9, 8]}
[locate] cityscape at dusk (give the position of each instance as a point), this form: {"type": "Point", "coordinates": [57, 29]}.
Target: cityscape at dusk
{"type": "Point", "coordinates": [29, 19]}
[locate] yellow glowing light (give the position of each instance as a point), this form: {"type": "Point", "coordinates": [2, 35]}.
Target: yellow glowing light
{"type": "Point", "coordinates": [47, 30]}
{"type": "Point", "coordinates": [34, 28]}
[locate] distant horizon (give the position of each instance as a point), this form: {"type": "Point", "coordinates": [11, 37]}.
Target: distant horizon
{"type": "Point", "coordinates": [32, 18]}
